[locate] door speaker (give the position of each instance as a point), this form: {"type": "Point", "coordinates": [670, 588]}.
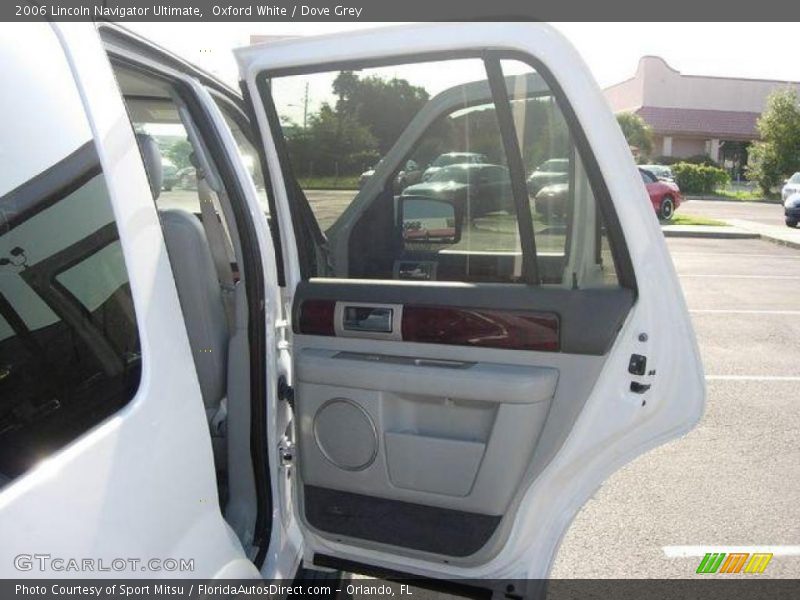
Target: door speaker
{"type": "Point", "coordinates": [345, 434]}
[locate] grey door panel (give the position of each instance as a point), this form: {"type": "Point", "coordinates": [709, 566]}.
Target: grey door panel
{"type": "Point", "coordinates": [480, 381]}
{"type": "Point", "coordinates": [400, 442]}
{"type": "Point", "coordinates": [469, 454]}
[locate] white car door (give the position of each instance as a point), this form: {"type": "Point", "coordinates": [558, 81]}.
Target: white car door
{"type": "Point", "coordinates": [471, 355]}
{"type": "Point", "coordinates": [107, 465]}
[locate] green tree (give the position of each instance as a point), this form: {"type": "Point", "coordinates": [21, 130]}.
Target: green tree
{"type": "Point", "coordinates": [384, 106]}
{"type": "Point", "coordinates": [178, 152]}
{"type": "Point", "coordinates": [777, 155]}
{"type": "Point", "coordinates": [636, 132]}
{"type": "Point", "coordinates": [332, 144]}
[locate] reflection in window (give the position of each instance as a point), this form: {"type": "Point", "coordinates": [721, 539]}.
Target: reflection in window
{"type": "Point", "coordinates": [69, 346]}
{"type": "Point", "coordinates": [364, 142]}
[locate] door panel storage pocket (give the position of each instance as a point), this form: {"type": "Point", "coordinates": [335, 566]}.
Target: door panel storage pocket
{"type": "Point", "coordinates": [431, 464]}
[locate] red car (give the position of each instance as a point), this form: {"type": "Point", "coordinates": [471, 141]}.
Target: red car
{"type": "Point", "coordinates": [665, 195]}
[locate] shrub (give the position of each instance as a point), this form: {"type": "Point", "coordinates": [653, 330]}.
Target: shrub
{"type": "Point", "coordinates": [698, 179]}
{"type": "Point", "coordinates": [701, 159]}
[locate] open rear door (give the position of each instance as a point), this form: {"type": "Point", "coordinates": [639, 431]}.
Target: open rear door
{"type": "Point", "coordinates": [485, 322]}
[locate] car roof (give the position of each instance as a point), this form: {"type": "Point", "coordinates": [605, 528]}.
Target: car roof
{"type": "Point", "coordinates": [122, 42]}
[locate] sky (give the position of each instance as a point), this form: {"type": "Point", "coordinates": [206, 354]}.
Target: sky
{"type": "Point", "coordinates": [612, 50]}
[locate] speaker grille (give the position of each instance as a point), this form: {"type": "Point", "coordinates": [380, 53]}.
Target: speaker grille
{"type": "Point", "coordinates": [345, 434]}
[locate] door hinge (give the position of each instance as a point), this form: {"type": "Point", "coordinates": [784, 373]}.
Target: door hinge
{"type": "Point", "coordinates": [285, 392]}
{"type": "Point", "coordinates": [281, 327]}
{"type": "Point", "coordinates": [286, 452]}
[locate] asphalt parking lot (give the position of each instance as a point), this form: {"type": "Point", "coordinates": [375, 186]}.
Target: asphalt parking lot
{"type": "Point", "coordinates": [735, 479]}
{"type": "Point", "coordinates": [766, 213]}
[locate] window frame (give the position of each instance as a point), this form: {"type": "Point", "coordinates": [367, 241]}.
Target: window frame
{"type": "Point", "coordinates": [251, 267]}
{"type": "Point", "coordinates": [620, 252]}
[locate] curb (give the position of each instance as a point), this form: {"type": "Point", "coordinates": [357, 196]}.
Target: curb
{"type": "Point", "coordinates": [724, 199]}
{"type": "Point", "coordinates": [780, 237]}
{"type": "Point", "coordinates": [781, 241]}
{"type": "Point", "coordinates": [717, 235]}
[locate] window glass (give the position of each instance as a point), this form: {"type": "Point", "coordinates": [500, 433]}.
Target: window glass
{"type": "Point", "coordinates": [159, 118]}
{"type": "Point", "coordinates": [563, 206]}
{"type": "Point", "coordinates": [405, 171]}
{"type": "Point", "coordinates": [247, 152]}
{"type": "Point", "coordinates": [69, 345]}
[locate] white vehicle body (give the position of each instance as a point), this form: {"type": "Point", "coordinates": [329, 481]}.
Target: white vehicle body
{"type": "Point", "coordinates": [791, 187]}
{"type": "Point", "coordinates": [141, 483]}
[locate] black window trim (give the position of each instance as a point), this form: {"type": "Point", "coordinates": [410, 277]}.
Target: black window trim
{"type": "Point", "coordinates": [516, 167]}
{"type": "Point", "coordinates": [41, 277]}
{"type": "Point", "coordinates": [51, 185]}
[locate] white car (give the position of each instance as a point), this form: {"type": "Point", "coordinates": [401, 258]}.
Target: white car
{"type": "Point", "coordinates": [237, 395]}
{"type": "Point", "coordinates": [791, 187]}
{"type": "Point", "coordinates": [452, 158]}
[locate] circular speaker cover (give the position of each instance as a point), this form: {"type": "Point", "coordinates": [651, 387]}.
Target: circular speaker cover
{"type": "Point", "coordinates": [345, 434]}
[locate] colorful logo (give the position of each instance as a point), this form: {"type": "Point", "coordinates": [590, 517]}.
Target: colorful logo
{"type": "Point", "coordinates": [735, 562]}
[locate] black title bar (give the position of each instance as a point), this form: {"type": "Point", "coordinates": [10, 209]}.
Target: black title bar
{"type": "Point", "coordinates": [400, 10]}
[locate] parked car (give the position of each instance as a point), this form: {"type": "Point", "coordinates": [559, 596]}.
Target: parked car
{"type": "Point", "coordinates": [791, 186]}
{"type": "Point", "coordinates": [248, 422]}
{"type": "Point", "coordinates": [452, 158]}
{"type": "Point", "coordinates": [552, 200]}
{"type": "Point", "coordinates": [186, 178]}
{"type": "Point", "coordinates": [170, 174]}
{"type": "Point", "coordinates": [664, 195]}
{"type": "Point", "coordinates": [549, 172]}
{"type": "Point", "coordinates": [487, 187]}
{"type": "Point", "coordinates": [791, 208]}
{"type": "Point", "coordinates": [663, 172]}
{"type": "Point", "coordinates": [410, 175]}
{"type": "Point", "coordinates": [362, 179]}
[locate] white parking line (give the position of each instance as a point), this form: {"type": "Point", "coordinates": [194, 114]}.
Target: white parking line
{"type": "Point", "coordinates": [738, 311]}
{"type": "Point", "coordinates": [720, 276]}
{"type": "Point", "coordinates": [741, 255]}
{"type": "Point", "coordinates": [693, 551]}
{"type": "Point", "coordinates": [752, 378]}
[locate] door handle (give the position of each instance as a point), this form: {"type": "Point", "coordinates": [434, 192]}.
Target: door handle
{"type": "Point", "coordinates": [373, 319]}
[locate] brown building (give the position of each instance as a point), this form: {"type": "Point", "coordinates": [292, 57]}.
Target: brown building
{"type": "Point", "coordinates": [695, 114]}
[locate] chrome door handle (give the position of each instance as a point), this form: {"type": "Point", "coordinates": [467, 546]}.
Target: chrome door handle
{"type": "Point", "coordinates": [374, 319]}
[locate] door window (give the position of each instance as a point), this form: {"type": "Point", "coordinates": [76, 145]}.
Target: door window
{"type": "Point", "coordinates": [456, 170]}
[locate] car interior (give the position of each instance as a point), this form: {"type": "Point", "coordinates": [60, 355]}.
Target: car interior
{"type": "Point", "coordinates": [204, 250]}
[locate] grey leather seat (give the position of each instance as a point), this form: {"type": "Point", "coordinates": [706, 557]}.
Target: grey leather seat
{"type": "Point", "coordinates": [198, 287]}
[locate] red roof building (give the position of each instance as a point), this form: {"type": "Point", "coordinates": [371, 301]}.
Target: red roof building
{"type": "Point", "coordinates": [692, 114]}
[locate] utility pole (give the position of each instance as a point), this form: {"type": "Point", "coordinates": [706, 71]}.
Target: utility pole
{"type": "Point", "coordinates": [305, 107]}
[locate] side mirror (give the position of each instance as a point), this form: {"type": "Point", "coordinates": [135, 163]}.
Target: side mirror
{"type": "Point", "coordinates": [429, 220]}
